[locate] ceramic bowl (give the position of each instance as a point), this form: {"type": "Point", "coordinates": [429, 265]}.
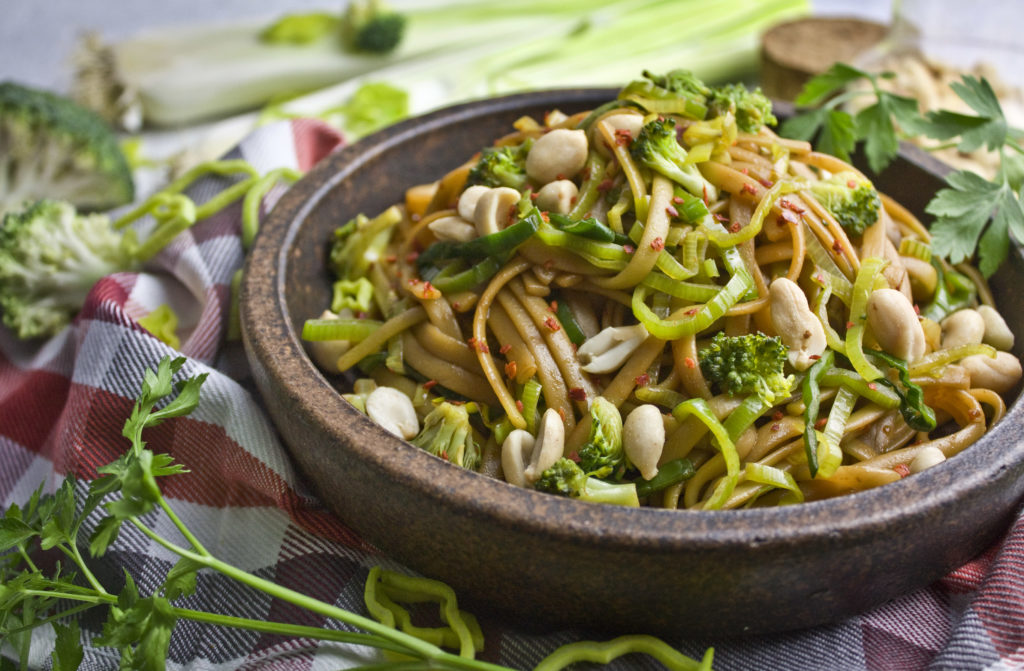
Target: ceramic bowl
{"type": "Point", "coordinates": [541, 559]}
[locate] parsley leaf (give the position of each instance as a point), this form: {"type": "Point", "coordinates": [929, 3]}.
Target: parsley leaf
{"type": "Point", "coordinates": [988, 129]}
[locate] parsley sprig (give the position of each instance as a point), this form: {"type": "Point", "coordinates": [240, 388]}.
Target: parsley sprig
{"type": "Point", "coordinates": [973, 215]}
{"type": "Point", "coordinates": [36, 591]}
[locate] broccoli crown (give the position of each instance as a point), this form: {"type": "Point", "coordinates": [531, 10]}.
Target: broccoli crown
{"type": "Point", "coordinates": [657, 147]}
{"type": "Point", "coordinates": [603, 455]}
{"type": "Point", "coordinates": [371, 27]}
{"type": "Point", "coordinates": [680, 82]}
{"type": "Point", "coordinates": [752, 363]}
{"type": "Point", "coordinates": [564, 478]}
{"type": "Point", "coordinates": [51, 147]}
{"type": "Point", "coordinates": [447, 434]}
{"type": "Point", "coordinates": [752, 108]}
{"type": "Point", "coordinates": [853, 201]}
{"type": "Point", "coordinates": [50, 256]}
{"type": "Point", "coordinates": [500, 166]}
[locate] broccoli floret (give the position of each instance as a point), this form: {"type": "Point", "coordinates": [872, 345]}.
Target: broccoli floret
{"type": "Point", "coordinates": [50, 256]}
{"type": "Point", "coordinates": [370, 26]}
{"type": "Point", "coordinates": [566, 478]}
{"type": "Point", "coordinates": [447, 434]}
{"type": "Point", "coordinates": [851, 199]}
{"type": "Point", "coordinates": [53, 148]}
{"type": "Point", "coordinates": [501, 166]}
{"type": "Point", "coordinates": [752, 363]}
{"type": "Point", "coordinates": [752, 108]}
{"type": "Point", "coordinates": [680, 82]}
{"type": "Point", "coordinates": [603, 454]}
{"type": "Point", "coordinates": [657, 146]}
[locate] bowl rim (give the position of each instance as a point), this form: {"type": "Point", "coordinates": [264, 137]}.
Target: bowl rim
{"type": "Point", "coordinates": [847, 519]}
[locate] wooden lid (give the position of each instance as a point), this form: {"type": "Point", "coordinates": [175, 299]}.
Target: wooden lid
{"type": "Point", "coordinates": [794, 51]}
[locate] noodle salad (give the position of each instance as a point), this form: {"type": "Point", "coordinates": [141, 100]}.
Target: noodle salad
{"type": "Point", "coordinates": [662, 302]}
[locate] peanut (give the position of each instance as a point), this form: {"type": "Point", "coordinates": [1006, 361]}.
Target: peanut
{"type": "Point", "coordinates": [799, 328]}
{"type": "Point", "coordinates": [494, 209]}
{"type": "Point", "coordinates": [643, 438]}
{"type": "Point", "coordinates": [547, 447]}
{"type": "Point", "coordinates": [393, 411]}
{"type": "Point", "coordinates": [997, 333]}
{"type": "Point", "coordinates": [517, 447]}
{"type": "Point", "coordinates": [999, 373]}
{"type": "Point", "coordinates": [895, 324]}
{"type": "Point", "coordinates": [559, 154]}
{"type": "Point", "coordinates": [558, 196]}
{"type": "Point", "coordinates": [963, 327]}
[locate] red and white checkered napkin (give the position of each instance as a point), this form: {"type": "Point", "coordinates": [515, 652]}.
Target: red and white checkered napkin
{"type": "Point", "coordinates": [63, 403]}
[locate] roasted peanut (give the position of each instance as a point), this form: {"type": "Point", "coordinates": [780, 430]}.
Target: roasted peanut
{"type": "Point", "coordinates": [799, 328]}
{"type": "Point", "coordinates": [997, 333]}
{"type": "Point", "coordinates": [999, 373]}
{"type": "Point", "coordinates": [468, 199]}
{"type": "Point", "coordinates": [643, 438]}
{"type": "Point", "coordinates": [452, 228]}
{"type": "Point", "coordinates": [621, 123]}
{"type": "Point", "coordinates": [895, 324]}
{"type": "Point", "coordinates": [963, 327]}
{"type": "Point", "coordinates": [515, 450]}
{"type": "Point", "coordinates": [547, 447]}
{"type": "Point", "coordinates": [559, 154]}
{"type": "Point", "coordinates": [557, 196]}
{"type": "Point", "coordinates": [610, 348]}
{"type": "Point", "coordinates": [393, 411]}
{"type": "Point", "coordinates": [494, 209]}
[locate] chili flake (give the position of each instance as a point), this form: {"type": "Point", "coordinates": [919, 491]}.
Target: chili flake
{"type": "Point", "coordinates": [505, 348]}
{"type": "Point", "coordinates": [605, 185]}
{"type": "Point", "coordinates": [578, 394]}
{"type": "Point", "coordinates": [837, 247]}
{"type": "Point", "coordinates": [689, 362]}
{"type": "Point", "coordinates": [642, 380]}
{"type": "Point", "coordinates": [658, 244]}
{"type": "Point", "coordinates": [672, 211]}
{"type": "Point", "coordinates": [552, 324]}
{"type": "Point", "coordinates": [519, 405]}
{"type": "Point", "coordinates": [820, 424]}
{"type": "Point", "coordinates": [629, 249]}
{"type": "Point", "coordinates": [511, 368]}
{"type": "Point", "coordinates": [902, 469]}
{"type": "Point", "coordinates": [749, 188]}
{"type": "Point", "coordinates": [429, 384]}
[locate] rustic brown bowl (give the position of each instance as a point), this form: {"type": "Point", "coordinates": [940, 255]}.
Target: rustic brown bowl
{"type": "Point", "coordinates": [538, 558]}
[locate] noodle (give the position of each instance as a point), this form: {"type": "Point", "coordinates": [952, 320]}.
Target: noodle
{"type": "Point", "coordinates": [620, 277]}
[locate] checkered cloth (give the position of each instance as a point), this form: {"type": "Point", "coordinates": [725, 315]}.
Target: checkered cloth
{"type": "Point", "coordinates": [63, 403]}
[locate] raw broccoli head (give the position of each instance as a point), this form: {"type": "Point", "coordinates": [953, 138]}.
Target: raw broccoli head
{"type": "Point", "coordinates": [852, 200]}
{"type": "Point", "coordinates": [369, 26]}
{"type": "Point", "coordinates": [752, 363]}
{"type": "Point", "coordinates": [501, 166]}
{"type": "Point", "coordinates": [50, 256]}
{"type": "Point", "coordinates": [447, 434]}
{"type": "Point", "coordinates": [751, 108]}
{"type": "Point", "coordinates": [51, 147]}
{"type": "Point", "coordinates": [657, 147]}
{"type": "Point", "coordinates": [680, 82]}
{"type": "Point", "coordinates": [603, 454]}
{"type": "Point", "coordinates": [566, 478]}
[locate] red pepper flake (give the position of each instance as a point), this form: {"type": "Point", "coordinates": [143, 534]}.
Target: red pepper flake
{"type": "Point", "coordinates": [775, 427]}
{"type": "Point", "coordinates": [789, 217]}
{"type": "Point", "coordinates": [642, 380]}
{"type": "Point", "coordinates": [574, 456]}
{"type": "Point", "coordinates": [791, 206]}
{"type": "Point", "coordinates": [471, 341]}
{"type": "Point", "coordinates": [519, 405]}
{"type": "Point", "coordinates": [605, 185]}
{"type": "Point", "coordinates": [689, 362]}
{"type": "Point", "coordinates": [852, 183]}
{"type": "Point", "coordinates": [429, 384]}
{"type": "Point", "coordinates": [552, 324]}
{"type": "Point", "coordinates": [872, 386]}
{"type": "Point", "coordinates": [917, 309]}
{"type": "Point", "coordinates": [766, 183]}
{"type": "Point", "coordinates": [902, 469]}
{"type": "Point", "coordinates": [553, 306]}
{"type": "Point", "coordinates": [745, 171]}
{"type": "Point", "coordinates": [572, 201]}
{"type": "Point", "coordinates": [678, 200]}
{"type": "Point", "coordinates": [511, 368]}
{"type": "Point", "coordinates": [545, 216]}
{"type": "Point", "coordinates": [721, 218]}
{"type": "Point", "coordinates": [411, 257]}
{"type": "Point", "coordinates": [561, 413]}
{"type": "Point", "coordinates": [672, 211]}
{"type": "Point", "coordinates": [777, 415]}
{"type": "Point", "coordinates": [658, 244]}
{"type": "Point", "coordinates": [837, 247]}
{"type": "Point", "coordinates": [559, 176]}
{"type": "Point", "coordinates": [691, 312]}
{"type": "Point", "coordinates": [629, 249]}
{"type": "Point", "coordinates": [749, 188]}
{"type": "Point", "coordinates": [850, 325]}
{"type": "Point", "coordinates": [814, 357]}
{"type": "Point", "coordinates": [623, 137]}
{"type": "Point", "coordinates": [704, 192]}
{"type": "Point", "coordinates": [578, 394]}
{"type": "Point", "coordinates": [820, 424]}
{"type": "Point", "coordinates": [975, 414]}
{"type": "Point", "coordinates": [533, 195]}
{"type": "Point", "coordinates": [391, 258]}
{"type": "Point", "coordinates": [504, 349]}
{"type": "Point", "coordinates": [734, 227]}
{"type": "Point", "coordinates": [444, 455]}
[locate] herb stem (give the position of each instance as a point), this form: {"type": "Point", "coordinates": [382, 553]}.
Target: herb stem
{"type": "Point", "coordinates": [77, 557]}
{"type": "Point", "coordinates": [185, 531]}
{"type": "Point", "coordinates": [409, 644]}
